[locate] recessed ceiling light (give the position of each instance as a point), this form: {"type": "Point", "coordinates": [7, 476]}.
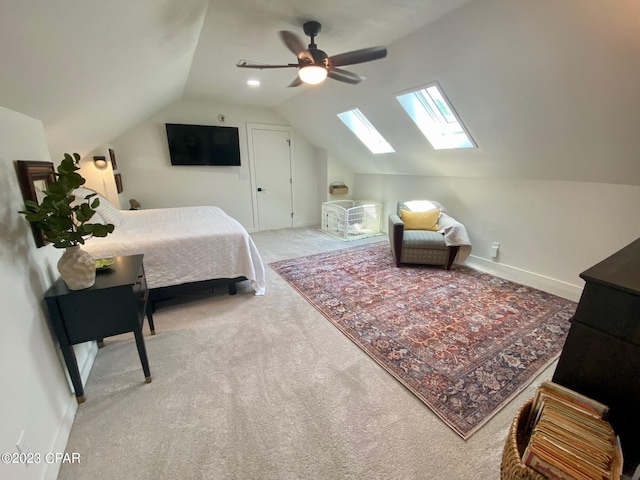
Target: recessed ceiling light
{"type": "Point", "coordinates": [253, 83]}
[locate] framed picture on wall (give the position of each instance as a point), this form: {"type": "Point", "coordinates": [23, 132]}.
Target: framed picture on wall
{"type": "Point", "coordinates": [112, 154]}
{"type": "Point", "coordinates": [118, 178]}
{"type": "Point", "coordinates": [34, 178]}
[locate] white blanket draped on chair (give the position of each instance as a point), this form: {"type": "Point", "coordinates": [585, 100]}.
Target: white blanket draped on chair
{"type": "Point", "coordinates": [455, 234]}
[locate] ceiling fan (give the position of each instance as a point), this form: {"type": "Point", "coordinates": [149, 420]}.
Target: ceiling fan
{"type": "Point", "coordinates": [315, 65]}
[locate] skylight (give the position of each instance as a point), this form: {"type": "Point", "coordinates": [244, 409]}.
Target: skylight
{"type": "Point", "coordinates": [435, 118]}
{"type": "Point", "coordinates": [358, 124]}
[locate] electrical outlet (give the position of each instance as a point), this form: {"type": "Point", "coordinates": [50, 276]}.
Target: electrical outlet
{"type": "Point", "coordinates": [493, 250]}
{"type": "Point", "coordinates": [23, 447]}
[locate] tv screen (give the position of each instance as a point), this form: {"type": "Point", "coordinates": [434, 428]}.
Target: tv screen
{"type": "Point", "coordinates": [203, 145]}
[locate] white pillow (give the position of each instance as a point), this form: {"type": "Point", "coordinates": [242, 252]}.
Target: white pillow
{"type": "Point", "coordinates": [106, 209]}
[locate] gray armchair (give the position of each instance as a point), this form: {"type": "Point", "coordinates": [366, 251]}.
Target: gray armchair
{"type": "Point", "coordinates": [426, 247]}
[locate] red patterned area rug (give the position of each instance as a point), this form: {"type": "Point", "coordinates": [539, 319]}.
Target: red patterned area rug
{"type": "Point", "coordinates": [464, 342]}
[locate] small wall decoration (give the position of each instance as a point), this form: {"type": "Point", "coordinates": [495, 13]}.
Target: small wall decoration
{"type": "Point", "coordinates": [112, 154]}
{"type": "Point", "coordinates": [338, 188]}
{"type": "Point", "coordinates": [34, 178]}
{"type": "Point", "coordinates": [118, 178]}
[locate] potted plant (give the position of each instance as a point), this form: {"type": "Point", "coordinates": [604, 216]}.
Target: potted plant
{"type": "Point", "coordinates": [64, 221]}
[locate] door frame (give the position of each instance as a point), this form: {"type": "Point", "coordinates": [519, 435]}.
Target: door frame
{"type": "Point", "coordinates": [252, 166]}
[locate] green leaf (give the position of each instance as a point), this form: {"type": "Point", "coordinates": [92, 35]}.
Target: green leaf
{"type": "Point", "coordinates": [75, 180]}
{"type": "Point", "coordinates": [100, 230]}
{"type": "Point", "coordinates": [84, 213]}
{"type": "Point", "coordinates": [56, 188]}
{"type": "Point", "coordinates": [36, 217]}
{"type": "Point", "coordinates": [64, 209]}
{"type": "Point", "coordinates": [67, 165]}
{"type": "Point", "coordinates": [62, 223]}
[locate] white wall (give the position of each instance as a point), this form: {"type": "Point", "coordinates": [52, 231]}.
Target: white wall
{"type": "Point", "coordinates": [307, 170]}
{"type": "Point", "coordinates": [549, 231]}
{"type": "Point", "coordinates": [101, 179]}
{"type": "Point", "coordinates": [35, 396]}
{"type": "Point", "coordinates": [323, 175]}
{"type": "Point", "coordinates": [147, 175]}
{"type": "Point", "coordinates": [338, 171]}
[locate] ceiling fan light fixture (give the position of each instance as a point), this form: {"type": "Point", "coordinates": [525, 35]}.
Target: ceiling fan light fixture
{"type": "Point", "coordinates": [312, 74]}
{"type": "Point", "coordinates": [314, 65]}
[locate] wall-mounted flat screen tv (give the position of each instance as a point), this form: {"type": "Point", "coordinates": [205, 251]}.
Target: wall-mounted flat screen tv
{"type": "Point", "coordinates": [203, 145]}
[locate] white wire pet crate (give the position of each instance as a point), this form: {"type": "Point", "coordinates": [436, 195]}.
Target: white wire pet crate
{"type": "Point", "coordinates": [351, 219]}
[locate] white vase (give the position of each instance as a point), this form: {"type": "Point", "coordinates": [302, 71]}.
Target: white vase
{"type": "Point", "coordinates": [77, 268]}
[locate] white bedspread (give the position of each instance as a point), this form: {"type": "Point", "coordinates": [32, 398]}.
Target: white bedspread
{"type": "Point", "coordinates": [182, 245]}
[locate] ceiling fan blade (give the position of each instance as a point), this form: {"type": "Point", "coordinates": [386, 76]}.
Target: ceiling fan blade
{"type": "Point", "coordinates": [357, 56]}
{"type": "Point", "coordinates": [344, 76]}
{"type": "Point", "coordinates": [246, 64]}
{"type": "Point", "coordinates": [294, 44]}
{"type": "Point", "coordinates": [296, 83]}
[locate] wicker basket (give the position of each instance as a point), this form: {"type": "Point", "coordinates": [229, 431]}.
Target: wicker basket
{"type": "Point", "coordinates": [511, 467]}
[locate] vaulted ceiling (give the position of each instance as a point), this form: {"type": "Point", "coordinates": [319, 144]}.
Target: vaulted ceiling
{"type": "Point", "coordinates": [547, 88]}
{"type": "Point", "coordinates": [90, 70]}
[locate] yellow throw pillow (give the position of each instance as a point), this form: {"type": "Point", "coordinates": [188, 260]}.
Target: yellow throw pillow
{"type": "Point", "coordinates": [420, 220]}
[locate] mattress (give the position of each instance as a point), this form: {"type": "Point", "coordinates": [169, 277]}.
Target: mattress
{"type": "Point", "coordinates": [183, 245]}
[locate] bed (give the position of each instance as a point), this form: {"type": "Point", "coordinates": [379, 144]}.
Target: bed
{"type": "Point", "coordinates": [185, 249]}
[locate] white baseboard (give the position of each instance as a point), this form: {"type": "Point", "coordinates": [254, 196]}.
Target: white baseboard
{"type": "Point", "coordinates": [295, 225]}
{"type": "Point", "coordinates": [60, 443]}
{"type": "Point", "coordinates": [85, 368]}
{"type": "Point", "coordinates": [546, 284]}
{"type": "Point", "coordinates": [304, 224]}
{"type": "Point", "coordinates": [66, 422]}
{"type": "Point", "coordinates": [85, 356]}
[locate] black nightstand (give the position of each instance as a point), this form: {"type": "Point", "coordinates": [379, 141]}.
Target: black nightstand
{"type": "Point", "coordinates": [116, 304]}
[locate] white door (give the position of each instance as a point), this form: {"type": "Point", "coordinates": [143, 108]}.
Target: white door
{"type": "Point", "coordinates": [272, 160]}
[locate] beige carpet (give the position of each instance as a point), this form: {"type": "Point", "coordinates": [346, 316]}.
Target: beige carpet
{"type": "Point", "coordinates": [248, 387]}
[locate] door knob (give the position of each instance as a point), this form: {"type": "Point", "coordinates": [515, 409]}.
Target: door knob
{"type": "Point", "coordinates": [262, 189]}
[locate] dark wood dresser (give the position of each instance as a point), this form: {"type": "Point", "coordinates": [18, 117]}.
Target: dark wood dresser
{"type": "Point", "coordinates": [601, 356]}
